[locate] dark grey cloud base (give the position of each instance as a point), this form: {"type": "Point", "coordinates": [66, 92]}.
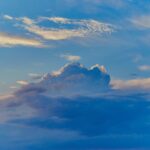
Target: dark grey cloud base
{"type": "Point", "coordinates": [78, 123]}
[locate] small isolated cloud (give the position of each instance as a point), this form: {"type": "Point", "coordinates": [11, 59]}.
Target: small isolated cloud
{"type": "Point", "coordinates": [71, 57]}
{"type": "Point", "coordinates": [22, 82]}
{"type": "Point", "coordinates": [7, 17]}
{"type": "Point", "coordinates": [135, 84]}
{"type": "Point", "coordinates": [35, 76]}
{"type": "Point", "coordinates": [72, 79]}
{"type": "Point", "coordinates": [65, 28]}
{"type": "Point", "coordinates": [144, 68]}
{"type": "Point", "coordinates": [7, 40]}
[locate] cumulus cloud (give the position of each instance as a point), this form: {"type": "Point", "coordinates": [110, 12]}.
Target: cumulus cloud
{"type": "Point", "coordinates": [79, 27]}
{"type": "Point", "coordinates": [82, 118]}
{"type": "Point", "coordinates": [7, 40]}
{"type": "Point", "coordinates": [72, 79]}
{"type": "Point", "coordinates": [71, 57]}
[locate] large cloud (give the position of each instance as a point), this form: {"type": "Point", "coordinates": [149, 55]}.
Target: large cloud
{"type": "Point", "coordinates": [72, 79]}
{"type": "Point", "coordinates": [74, 122]}
{"type": "Point", "coordinates": [62, 28]}
{"type": "Point", "coordinates": [79, 28]}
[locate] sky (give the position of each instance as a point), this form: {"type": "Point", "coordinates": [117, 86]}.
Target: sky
{"type": "Point", "coordinates": [112, 34]}
{"type": "Point", "coordinates": [77, 72]}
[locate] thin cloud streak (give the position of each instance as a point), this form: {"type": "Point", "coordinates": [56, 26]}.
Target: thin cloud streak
{"type": "Point", "coordinates": [142, 21]}
{"type": "Point", "coordinates": [135, 84]}
{"type": "Point", "coordinates": [71, 58]}
{"type": "Point", "coordinates": [144, 68]}
{"type": "Point", "coordinates": [12, 40]}
{"type": "Point", "coordinates": [22, 82]}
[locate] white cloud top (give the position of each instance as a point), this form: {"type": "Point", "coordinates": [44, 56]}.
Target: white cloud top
{"type": "Point", "coordinates": [72, 79]}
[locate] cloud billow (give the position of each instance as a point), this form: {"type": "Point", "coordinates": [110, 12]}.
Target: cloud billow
{"type": "Point", "coordinates": [72, 79]}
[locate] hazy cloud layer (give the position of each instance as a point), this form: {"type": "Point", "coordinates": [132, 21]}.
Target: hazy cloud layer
{"type": "Point", "coordinates": [142, 21]}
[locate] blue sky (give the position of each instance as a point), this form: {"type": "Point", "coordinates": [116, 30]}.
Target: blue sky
{"type": "Point", "coordinates": [75, 71]}
{"type": "Point", "coordinates": [122, 52]}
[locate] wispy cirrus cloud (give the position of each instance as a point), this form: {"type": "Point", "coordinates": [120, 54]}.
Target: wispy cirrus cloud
{"type": "Point", "coordinates": [144, 68]}
{"type": "Point", "coordinates": [7, 40]}
{"type": "Point", "coordinates": [11, 40]}
{"type": "Point", "coordinates": [142, 21]}
{"type": "Point", "coordinates": [83, 29]}
{"type": "Point", "coordinates": [7, 17]}
{"type": "Point", "coordinates": [64, 28]}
